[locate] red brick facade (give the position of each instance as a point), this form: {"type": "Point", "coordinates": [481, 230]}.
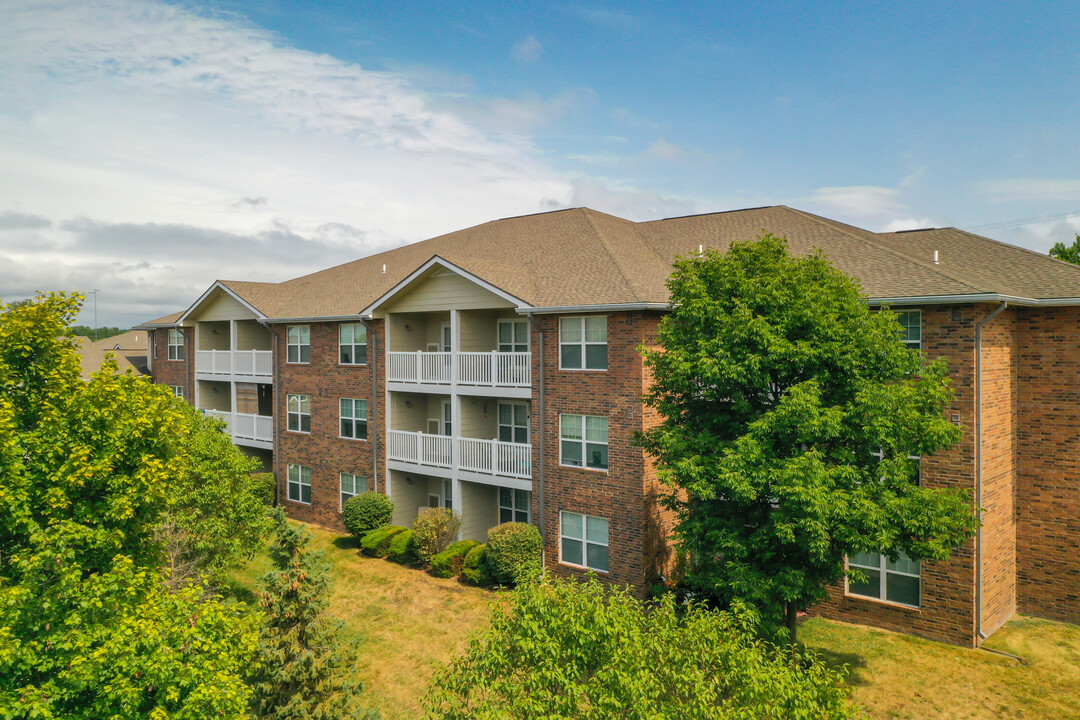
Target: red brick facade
{"type": "Point", "coordinates": [172, 372]}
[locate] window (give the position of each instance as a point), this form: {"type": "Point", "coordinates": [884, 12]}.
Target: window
{"type": "Point", "coordinates": [176, 344]}
{"type": "Point", "coordinates": [298, 344]}
{"type": "Point", "coordinates": [178, 391]}
{"type": "Point", "coordinates": [514, 505]}
{"type": "Point", "coordinates": [896, 582]}
{"type": "Point", "coordinates": [583, 541]}
{"type": "Point", "coordinates": [354, 419]}
{"type": "Point", "coordinates": [911, 322]}
{"type": "Point", "coordinates": [352, 344]}
{"type": "Point", "coordinates": [299, 407]}
{"type": "Point", "coordinates": [514, 423]}
{"type": "Point", "coordinates": [583, 441]}
{"type": "Point", "coordinates": [352, 485]}
{"type": "Point", "coordinates": [300, 483]}
{"type": "Point", "coordinates": [583, 343]}
{"type": "Point", "coordinates": [513, 336]}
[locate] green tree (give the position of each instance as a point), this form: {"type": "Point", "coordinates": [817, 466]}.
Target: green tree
{"type": "Point", "coordinates": [95, 333]}
{"type": "Point", "coordinates": [580, 650]}
{"type": "Point", "coordinates": [87, 628]}
{"type": "Point", "coordinates": [789, 412]}
{"type": "Point", "coordinates": [203, 535]}
{"type": "Point", "coordinates": [307, 671]}
{"type": "Point", "coordinates": [1070, 253]}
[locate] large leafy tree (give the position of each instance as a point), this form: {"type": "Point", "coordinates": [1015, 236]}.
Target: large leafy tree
{"type": "Point", "coordinates": [789, 413]}
{"type": "Point", "coordinates": [582, 650]}
{"type": "Point", "coordinates": [308, 669]}
{"type": "Point", "coordinates": [1068, 253]}
{"type": "Point", "coordinates": [88, 629]}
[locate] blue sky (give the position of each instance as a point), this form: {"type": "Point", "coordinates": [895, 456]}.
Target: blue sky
{"type": "Point", "coordinates": [150, 148]}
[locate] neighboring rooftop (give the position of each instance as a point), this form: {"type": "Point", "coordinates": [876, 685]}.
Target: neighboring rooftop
{"type": "Point", "coordinates": [581, 257]}
{"type": "Point", "coordinates": [128, 348]}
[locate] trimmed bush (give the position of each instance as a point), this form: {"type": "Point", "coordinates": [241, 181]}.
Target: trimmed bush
{"type": "Point", "coordinates": [475, 568]}
{"type": "Point", "coordinates": [377, 542]}
{"type": "Point", "coordinates": [267, 487]}
{"type": "Point", "coordinates": [366, 512]}
{"type": "Point", "coordinates": [403, 548]}
{"type": "Point", "coordinates": [433, 531]}
{"type": "Point", "coordinates": [449, 562]}
{"type": "Point", "coordinates": [513, 552]}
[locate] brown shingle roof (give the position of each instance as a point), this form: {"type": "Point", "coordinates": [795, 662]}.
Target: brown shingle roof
{"type": "Point", "coordinates": [584, 257]}
{"type": "Point", "coordinates": [130, 355]}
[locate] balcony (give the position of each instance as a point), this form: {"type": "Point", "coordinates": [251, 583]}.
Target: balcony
{"type": "Point", "coordinates": [474, 369]}
{"type": "Point", "coordinates": [473, 455]}
{"type": "Point", "coordinates": [237, 363]}
{"type": "Point", "coordinates": [245, 429]}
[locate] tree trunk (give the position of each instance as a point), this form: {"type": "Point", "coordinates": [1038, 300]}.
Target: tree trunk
{"type": "Point", "coordinates": [792, 620]}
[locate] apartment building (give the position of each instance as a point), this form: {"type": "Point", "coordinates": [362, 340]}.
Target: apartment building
{"type": "Point", "coordinates": [495, 370]}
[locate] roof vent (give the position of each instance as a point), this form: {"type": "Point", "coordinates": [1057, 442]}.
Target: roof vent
{"type": "Point", "coordinates": [700, 250]}
{"type": "Point", "coordinates": [384, 269]}
{"type": "Point", "coordinates": [935, 257]}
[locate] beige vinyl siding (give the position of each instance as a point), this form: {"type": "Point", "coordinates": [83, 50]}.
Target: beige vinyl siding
{"type": "Point", "coordinates": [222, 307]}
{"type": "Point", "coordinates": [210, 400]}
{"type": "Point", "coordinates": [250, 335]}
{"type": "Point", "coordinates": [478, 331]}
{"type": "Point", "coordinates": [407, 497]}
{"type": "Point", "coordinates": [479, 510]}
{"type": "Point", "coordinates": [423, 328]}
{"type": "Point", "coordinates": [213, 335]}
{"type": "Point", "coordinates": [439, 292]}
{"type": "Point", "coordinates": [479, 418]}
{"type": "Point", "coordinates": [410, 419]}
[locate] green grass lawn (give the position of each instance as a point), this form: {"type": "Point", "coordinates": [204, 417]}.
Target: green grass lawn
{"type": "Point", "coordinates": [407, 622]}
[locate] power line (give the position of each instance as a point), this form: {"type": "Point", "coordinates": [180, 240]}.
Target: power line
{"type": "Point", "coordinates": [1026, 221]}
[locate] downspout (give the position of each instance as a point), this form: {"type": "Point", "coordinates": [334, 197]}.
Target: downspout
{"type": "Point", "coordinates": [978, 468]}
{"type": "Point", "coordinates": [277, 411]}
{"type": "Point", "coordinates": [373, 359]}
{"type": "Point", "coordinates": [540, 449]}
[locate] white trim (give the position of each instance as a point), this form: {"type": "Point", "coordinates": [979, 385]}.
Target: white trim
{"type": "Point", "coordinates": [218, 285]}
{"type": "Point", "coordinates": [313, 319]}
{"type": "Point", "coordinates": [883, 571]}
{"type": "Point", "coordinates": [584, 344]}
{"type": "Point", "coordinates": [436, 260]}
{"type": "Point", "coordinates": [298, 345]}
{"type": "Point", "coordinates": [299, 413]}
{"type": "Point", "coordinates": [299, 482]}
{"type": "Point", "coordinates": [609, 307]}
{"type": "Point", "coordinates": [584, 542]}
{"type": "Point", "coordinates": [341, 491]}
{"type": "Point", "coordinates": [353, 345]}
{"type": "Point", "coordinates": [354, 418]}
{"type": "Point", "coordinates": [584, 442]}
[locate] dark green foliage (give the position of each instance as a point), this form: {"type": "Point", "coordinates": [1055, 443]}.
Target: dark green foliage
{"type": "Point", "coordinates": [377, 542]}
{"type": "Point", "coordinates": [475, 567]}
{"type": "Point", "coordinates": [514, 552]}
{"type": "Point", "coordinates": [433, 531]}
{"type": "Point", "coordinates": [1069, 253]}
{"type": "Point", "coordinates": [403, 548]}
{"type": "Point", "coordinates": [95, 334]}
{"type": "Point", "coordinates": [449, 562]}
{"type": "Point", "coordinates": [307, 670]}
{"type": "Point", "coordinates": [266, 487]}
{"type": "Point", "coordinates": [365, 512]}
{"type": "Point", "coordinates": [778, 387]}
{"type": "Point", "coordinates": [569, 649]}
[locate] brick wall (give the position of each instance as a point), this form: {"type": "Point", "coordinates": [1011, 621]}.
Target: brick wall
{"type": "Point", "coordinates": [1048, 439]}
{"type": "Point", "coordinates": [323, 450]}
{"type": "Point", "coordinates": [659, 547]}
{"type": "Point", "coordinates": [174, 372]}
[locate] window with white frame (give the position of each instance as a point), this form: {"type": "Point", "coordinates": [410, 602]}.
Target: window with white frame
{"type": "Point", "coordinates": [911, 322]}
{"type": "Point", "coordinates": [514, 505]}
{"type": "Point", "coordinates": [351, 485]}
{"type": "Point", "coordinates": [178, 391]}
{"type": "Point", "coordinates": [583, 541]}
{"type": "Point", "coordinates": [353, 418]}
{"type": "Point", "coordinates": [513, 336]}
{"type": "Point", "coordinates": [298, 344]}
{"type": "Point", "coordinates": [583, 441]}
{"type": "Point", "coordinates": [895, 581]}
{"type": "Point", "coordinates": [300, 483]}
{"type": "Point", "coordinates": [176, 344]}
{"type": "Point", "coordinates": [352, 344]}
{"type": "Point", "coordinates": [583, 343]}
{"type": "Point", "coordinates": [299, 412]}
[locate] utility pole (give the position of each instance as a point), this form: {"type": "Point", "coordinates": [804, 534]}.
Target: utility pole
{"type": "Point", "coordinates": [95, 313]}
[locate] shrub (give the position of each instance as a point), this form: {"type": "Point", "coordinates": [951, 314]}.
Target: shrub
{"type": "Point", "coordinates": [475, 569]}
{"type": "Point", "coordinates": [403, 548]}
{"type": "Point", "coordinates": [513, 552]}
{"type": "Point", "coordinates": [366, 512]}
{"type": "Point", "coordinates": [449, 562]}
{"type": "Point", "coordinates": [433, 531]}
{"type": "Point", "coordinates": [377, 542]}
{"type": "Point", "coordinates": [267, 487]}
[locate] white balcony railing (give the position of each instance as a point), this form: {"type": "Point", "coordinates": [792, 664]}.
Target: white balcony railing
{"type": "Point", "coordinates": [251, 363]}
{"type": "Point", "coordinates": [492, 369]}
{"type": "Point", "coordinates": [488, 457]}
{"type": "Point", "coordinates": [243, 426]}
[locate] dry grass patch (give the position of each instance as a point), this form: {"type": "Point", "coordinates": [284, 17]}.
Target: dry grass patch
{"type": "Point", "coordinates": [898, 676]}
{"type": "Point", "coordinates": [405, 621]}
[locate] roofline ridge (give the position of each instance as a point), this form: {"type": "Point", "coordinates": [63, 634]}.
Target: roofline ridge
{"type": "Point", "coordinates": [705, 214]}
{"type": "Point", "coordinates": [1014, 247]}
{"type": "Point", "coordinates": [886, 248]}
{"type": "Point", "coordinates": [614, 256]}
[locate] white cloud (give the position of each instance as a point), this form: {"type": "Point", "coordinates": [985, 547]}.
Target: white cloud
{"type": "Point", "coordinates": [625, 201]}
{"type": "Point", "coordinates": [858, 200]}
{"type": "Point", "coordinates": [1032, 189]}
{"type": "Point", "coordinates": [528, 50]}
{"type": "Point", "coordinates": [907, 224]}
{"type": "Point", "coordinates": [149, 149]}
